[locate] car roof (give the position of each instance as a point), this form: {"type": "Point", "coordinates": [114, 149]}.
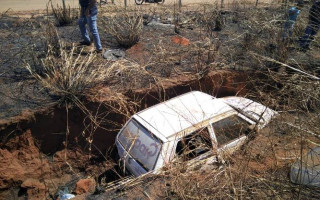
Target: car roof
{"type": "Point", "coordinates": [179, 113]}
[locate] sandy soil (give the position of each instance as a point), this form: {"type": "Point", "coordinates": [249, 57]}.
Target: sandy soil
{"type": "Point", "coordinates": [23, 5]}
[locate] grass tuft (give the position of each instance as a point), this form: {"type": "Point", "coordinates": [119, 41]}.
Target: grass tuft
{"type": "Point", "coordinates": [125, 27]}
{"type": "Point", "coordinates": [64, 15]}
{"type": "Point", "coordinates": [69, 75]}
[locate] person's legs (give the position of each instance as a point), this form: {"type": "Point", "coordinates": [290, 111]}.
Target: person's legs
{"type": "Point", "coordinates": [288, 29]}
{"type": "Point", "coordinates": [82, 21]}
{"type": "Point", "coordinates": [92, 23]}
{"type": "Point", "coordinates": [309, 34]}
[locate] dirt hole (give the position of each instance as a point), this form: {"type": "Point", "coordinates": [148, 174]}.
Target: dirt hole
{"type": "Point", "coordinates": [49, 128]}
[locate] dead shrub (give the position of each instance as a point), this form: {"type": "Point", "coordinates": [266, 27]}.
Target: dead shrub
{"type": "Point", "coordinates": [64, 15]}
{"type": "Point", "coordinates": [212, 20]}
{"type": "Point", "coordinates": [52, 39]}
{"type": "Point", "coordinates": [292, 92]}
{"type": "Point", "coordinates": [125, 27]}
{"type": "Point", "coordinates": [128, 75]}
{"type": "Point", "coordinates": [262, 35]}
{"type": "Point", "coordinates": [70, 75]}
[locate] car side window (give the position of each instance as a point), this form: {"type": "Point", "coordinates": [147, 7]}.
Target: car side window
{"type": "Point", "coordinates": [229, 129]}
{"type": "Point", "coordinates": [194, 144]}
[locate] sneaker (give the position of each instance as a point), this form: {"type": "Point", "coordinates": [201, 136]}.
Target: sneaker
{"type": "Point", "coordinates": [85, 43]}
{"type": "Point", "coordinates": [98, 50]}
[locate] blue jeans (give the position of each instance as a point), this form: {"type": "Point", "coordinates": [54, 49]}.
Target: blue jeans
{"type": "Point", "coordinates": [309, 34]}
{"type": "Point", "coordinates": [91, 20]}
{"type": "Point", "coordinates": [288, 29]}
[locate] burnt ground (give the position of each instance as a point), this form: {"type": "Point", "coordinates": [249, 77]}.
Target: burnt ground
{"type": "Point", "coordinates": [236, 60]}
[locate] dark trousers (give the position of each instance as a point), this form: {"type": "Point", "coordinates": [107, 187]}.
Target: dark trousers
{"type": "Point", "coordinates": [309, 33]}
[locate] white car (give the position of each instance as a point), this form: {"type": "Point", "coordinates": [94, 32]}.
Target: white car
{"type": "Point", "coordinates": [190, 126]}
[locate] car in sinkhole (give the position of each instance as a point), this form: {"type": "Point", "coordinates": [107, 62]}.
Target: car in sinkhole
{"type": "Point", "coordinates": [193, 126]}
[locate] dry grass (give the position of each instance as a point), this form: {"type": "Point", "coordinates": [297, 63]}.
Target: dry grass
{"type": "Point", "coordinates": [64, 15]}
{"type": "Point", "coordinates": [258, 171]}
{"type": "Point", "coordinates": [125, 27]}
{"type": "Point", "coordinates": [261, 169]}
{"type": "Point", "coordinates": [69, 75]}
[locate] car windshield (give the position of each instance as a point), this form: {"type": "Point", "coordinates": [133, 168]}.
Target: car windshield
{"type": "Point", "coordinates": [142, 145]}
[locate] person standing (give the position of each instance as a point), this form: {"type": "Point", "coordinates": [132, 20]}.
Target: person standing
{"type": "Point", "coordinates": [312, 27]}
{"type": "Point", "coordinates": [88, 15]}
{"type": "Point", "coordinates": [292, 17]}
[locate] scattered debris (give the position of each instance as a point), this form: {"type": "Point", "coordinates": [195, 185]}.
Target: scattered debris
{"type": "Point", "coordinates": [65, 195]}
{"type": "Point", "coordinates": [180, 40]}
{"type": "Point", "coordinates": [85, 186]}
{"type": "Point", "coordinates": [114, 54]}
{"type": "Point", "coordinates": [156, 24]}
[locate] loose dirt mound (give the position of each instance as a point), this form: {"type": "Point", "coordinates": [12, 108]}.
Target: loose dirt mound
{"type": "Point", "coordinates": [27, 172]}
{"type": "Point", "coordinates": [23, 166]}
{"type": "Point", "coordinates": [20, 160]}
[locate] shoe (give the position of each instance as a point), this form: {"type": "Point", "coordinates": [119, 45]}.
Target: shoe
{"type": "Point", "coordinates": [85, 43]}
{"type": "Point", "coordinates": [98, 50]}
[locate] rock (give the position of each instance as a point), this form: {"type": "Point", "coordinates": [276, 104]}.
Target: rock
{"type": "Point", "coordinates": [85, 186]}
{"type": "Point", "coordinates": [157, 24]}
{"type": "Point", "coordinates": [114, 54]}
{"type": "Point", "coordinates": [146, 19]}
{"type": "Point", "coordinates": [180, 40]}
{"type": "Point", "coordinates": [146, 16]}
{"type": "Point", "coordinates": [168, 21]}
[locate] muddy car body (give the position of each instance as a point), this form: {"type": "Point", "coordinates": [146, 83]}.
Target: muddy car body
{"type": "Point", "coordinates": [192, 126]}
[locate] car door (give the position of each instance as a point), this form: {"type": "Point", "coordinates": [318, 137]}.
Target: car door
{"type": "Point", "coordinates": [231, 131]}
{"type": "Point", "coordinates": [194, 146]}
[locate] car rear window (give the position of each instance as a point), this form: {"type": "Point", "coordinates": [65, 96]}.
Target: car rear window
{"type": "Point", "coordinates": [142, 145]}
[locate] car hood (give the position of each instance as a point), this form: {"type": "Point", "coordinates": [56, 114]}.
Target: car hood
{"type": "Point", "coordinates": [253, 110]}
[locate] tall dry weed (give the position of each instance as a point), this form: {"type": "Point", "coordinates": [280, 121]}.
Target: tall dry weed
{"type": "Point", "coordinates": [64, 15]}
{"type": "Point", "coordinates": [125, 27]}
{"type": "Point", "coordinates": [70, 74]}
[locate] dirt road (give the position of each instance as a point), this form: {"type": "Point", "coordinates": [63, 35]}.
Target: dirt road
{"type": "Point", "coordinates": [22, 5]}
